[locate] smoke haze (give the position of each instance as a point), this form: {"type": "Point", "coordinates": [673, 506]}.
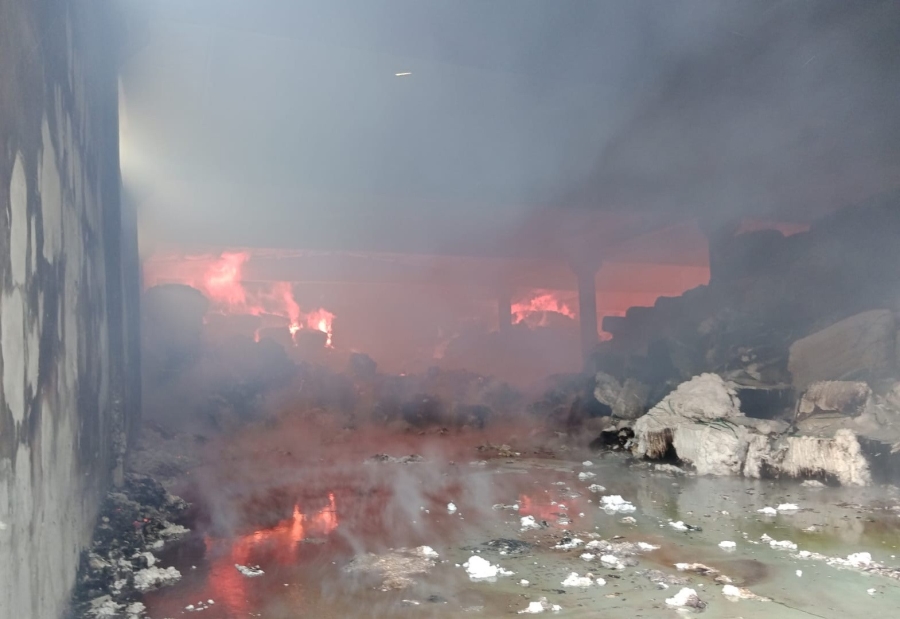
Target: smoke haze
{"type": "Point", "coordinates": [282, 124]}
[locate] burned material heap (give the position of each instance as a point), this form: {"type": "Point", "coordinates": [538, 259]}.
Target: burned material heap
{"type": "Point", "coordinates": [785, 364]}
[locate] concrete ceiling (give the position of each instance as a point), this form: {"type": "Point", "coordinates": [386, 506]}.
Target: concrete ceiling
{"type": "Point", "coordinates": [281, 123]}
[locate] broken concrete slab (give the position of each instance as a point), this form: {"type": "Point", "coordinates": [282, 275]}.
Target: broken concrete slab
{"type": "Point", "coordinates": [861, 346]}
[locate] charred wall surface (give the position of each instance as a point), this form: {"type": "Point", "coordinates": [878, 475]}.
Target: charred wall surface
{"type": "Point", "coordinates": [67, 382]}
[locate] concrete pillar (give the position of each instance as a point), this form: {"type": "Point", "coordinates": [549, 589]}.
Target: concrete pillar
{"type": "Point", "coordinates": [504, 311]}
{"type": "Point", "coordinates": [587, 310]}
{"type": "Point", "coordinates": [719, 235]}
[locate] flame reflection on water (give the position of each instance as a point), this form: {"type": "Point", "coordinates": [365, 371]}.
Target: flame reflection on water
{"type": "Point", "coordinates": [279, 544]}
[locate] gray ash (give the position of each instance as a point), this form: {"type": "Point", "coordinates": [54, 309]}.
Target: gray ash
{"type": "Point", "coordinates": [133, 523]}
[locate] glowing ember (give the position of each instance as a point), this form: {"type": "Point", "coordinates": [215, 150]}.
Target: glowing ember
{"type": "Point", "coordinates": [536, 310]}
{"type": "Point", "coordinates": [220, 278]}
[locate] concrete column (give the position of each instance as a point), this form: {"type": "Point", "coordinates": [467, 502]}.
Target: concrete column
{"type": "Point", "coordinates": [587, 310]}
{"type": "Point", "coordinates": [504, 311]}
{"type": "Point", "coordinates": [719, 234]}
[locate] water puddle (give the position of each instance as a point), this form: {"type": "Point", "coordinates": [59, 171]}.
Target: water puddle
{"type": "Point", "coordinates": [303, 535]}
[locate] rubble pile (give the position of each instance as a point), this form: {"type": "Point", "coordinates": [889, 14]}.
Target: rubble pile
{"type": "Point", "coordinates": [134, 523]}
{"type": "Point", "coordinates": [788, 332]}
{"type": "Point", "coordinates": [448, 398]}
{"type": "Point", "coordinates": [777, 311]}
{"type": "Point", "coordinates": [700, 423]}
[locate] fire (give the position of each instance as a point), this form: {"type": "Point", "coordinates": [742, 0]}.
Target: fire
{"type": "Point", "coordinates": [220, 278]}
{"type": "Point", "coordinates": [222, 281]}
{"type": "Point", "coordinates": [320, 320]}
{"type": "Point", "coordinates": [535, 310]}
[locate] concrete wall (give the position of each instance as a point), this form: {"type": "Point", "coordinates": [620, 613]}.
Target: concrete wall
{"type": "Point", "coordinates": [67, 382]}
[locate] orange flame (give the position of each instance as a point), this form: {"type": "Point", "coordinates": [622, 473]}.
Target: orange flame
{"type": "Point", "coordinates": [221, 280]}
{"type": "Point", "coordinates": [534, 311]}
{"type": "Point", "coordinates": [321, 320]}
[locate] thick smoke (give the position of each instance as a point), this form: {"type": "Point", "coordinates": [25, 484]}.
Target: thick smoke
{"type": "Point", "coordinates": [282, 124]}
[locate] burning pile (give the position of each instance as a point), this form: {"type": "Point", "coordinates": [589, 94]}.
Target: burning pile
{"type": "Point", "coordinates": [539, 306]}
{"type": "Point", "coordinates": [221, 279]}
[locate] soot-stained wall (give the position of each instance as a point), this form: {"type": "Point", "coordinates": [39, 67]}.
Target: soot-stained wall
{"type": "Point", "coordinates": [67, 380]}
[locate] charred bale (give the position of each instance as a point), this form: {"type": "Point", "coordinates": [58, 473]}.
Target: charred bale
{"type": "Point", "coordinates": [613, 439]}
{"type": "Point", "coordinates": [860, 347]}
{"type": "Point", "coordinates": [361, 366]}
{"type": "Point", "coordinates": [423, 410]}
{"type": "Point", "coordinates": [472, 415]}
{"type": "Point", "coordinates": [834, 398]}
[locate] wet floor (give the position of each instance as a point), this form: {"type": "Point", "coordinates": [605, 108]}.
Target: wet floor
{"type": "Point", "coordinates": [303, 527]}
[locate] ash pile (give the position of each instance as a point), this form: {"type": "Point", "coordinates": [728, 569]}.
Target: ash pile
{"type": "Point", "coordinates": [785, 365]}
{"type": "Point", "coordinates": [135, 522]}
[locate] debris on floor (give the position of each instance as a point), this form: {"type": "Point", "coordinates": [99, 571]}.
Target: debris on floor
{"type": "Point", "coordinates": [528, 522]}
{"type": "Point", "coordinates": [697, 568]}
{"type": "Point", "coordinates": [153, 577]}
{"type": "Point", "coordinates": [573, 580]}
{"type": "Point", "coordinates": [612, 562]}
{"type": "Point", "coordinates": [739, 593]}
{"type": "Point", "coordinates": [568, 543]}
{"type": "Point", "coordinates": [503, 546]}
{"type": "Point", "coordinates": [540, 606]}
{"type": "Point", "coordinates": [669, 469]}
{"type": "Point", "coordinates": [396, 568]}
{"type": "Point", "coordinates": [678, 525]}
{"type": "Point", "coordinates": [663, 580]}
{"type": "Point", "coordinates": [686, 598]}
{"type": "Point", "coordinates": [778, 545]}
{"type": "Point", "coordinates": [250, 571]}
{"type": "Point", "coordinates": [859, 561]}
{"type": "Point", "coordinates": [119, 564]}
{"type": "Point", "coordinates": [410, 459]}
{"type": "Point", "coordinates": [616, 504]}
{"type": "Point", "coordinates": [479, 568]}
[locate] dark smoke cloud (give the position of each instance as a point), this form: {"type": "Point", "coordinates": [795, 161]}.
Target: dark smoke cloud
{"type": "Point", "coordinates": [281, 122]}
